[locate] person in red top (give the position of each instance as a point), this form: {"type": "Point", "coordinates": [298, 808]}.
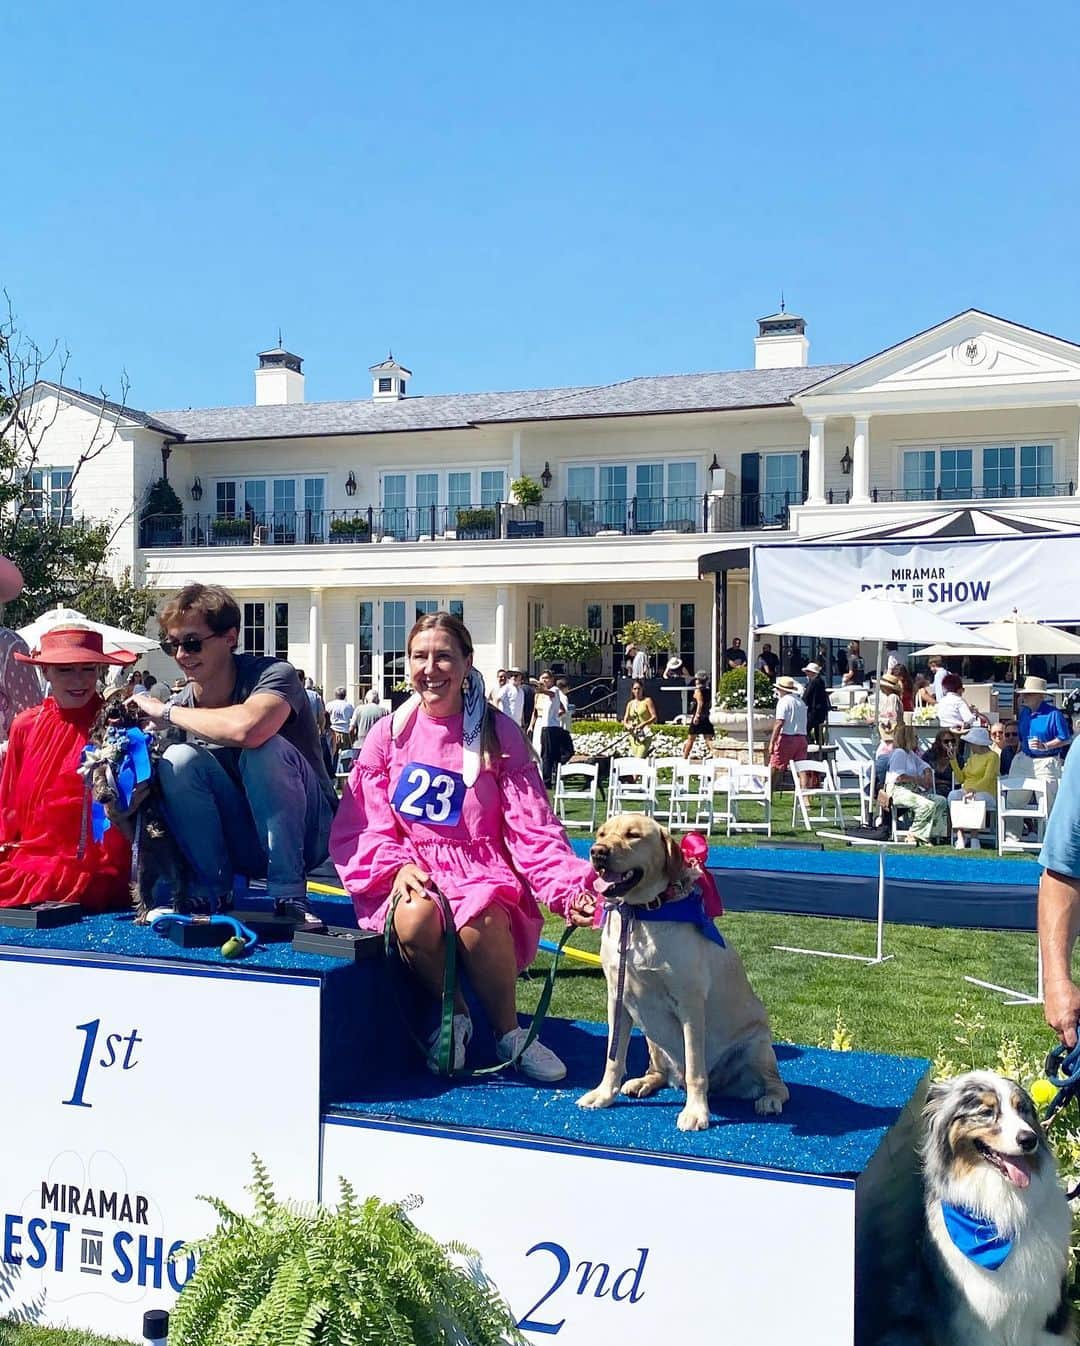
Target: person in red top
{"type": "Point", "coordinates": [47, 849]}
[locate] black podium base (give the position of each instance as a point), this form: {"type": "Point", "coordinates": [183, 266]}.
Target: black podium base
{"type": "Point", "coordinates": [339, 941]}
{"type": "Point", "coordinates": [41, 918]}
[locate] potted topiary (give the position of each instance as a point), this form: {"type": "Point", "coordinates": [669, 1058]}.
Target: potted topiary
{"type": "Point", "coordinates": [292, 1273]}
{"type": "Point", "coordinates": [353, 528]}
{"type": "Point", "coordinates": [729, 704]}
{"type": "Point", "coordinates": [525, 491]}
{"type": "Point", "coordinates": [564, 645]}
{"type": "Point", "coordinates": [161, 519]}
{"type": "Point", "coordinates": [647, 634]}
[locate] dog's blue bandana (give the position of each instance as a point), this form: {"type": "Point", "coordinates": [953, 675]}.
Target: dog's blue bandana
{"type": "Point", "coordinates": [689, 910]}
{"type": "Point", "coordinates": [979, 1240]}
{"type": "Point", "coordinates": [127, 752]}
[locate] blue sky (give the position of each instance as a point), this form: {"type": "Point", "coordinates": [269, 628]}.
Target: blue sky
{"type": "Point", "coordinates": [516, 196]}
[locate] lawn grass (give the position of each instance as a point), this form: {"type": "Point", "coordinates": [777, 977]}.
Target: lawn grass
{"type": "Point", "coordinates": [916, 1004]}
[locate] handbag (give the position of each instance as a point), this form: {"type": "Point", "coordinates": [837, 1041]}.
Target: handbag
{"type": "Point", "coordinates": [968, 814]}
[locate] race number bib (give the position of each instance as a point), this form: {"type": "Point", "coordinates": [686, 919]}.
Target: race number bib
{"type": "Point", "coordinates": [429, 794]}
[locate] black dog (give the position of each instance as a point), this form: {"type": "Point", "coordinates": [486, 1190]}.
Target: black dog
{"type": "Point", "coordinates": [159, 874]}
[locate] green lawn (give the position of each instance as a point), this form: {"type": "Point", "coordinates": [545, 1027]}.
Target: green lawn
{"type": "Point", "coordinates": [915, 1004]}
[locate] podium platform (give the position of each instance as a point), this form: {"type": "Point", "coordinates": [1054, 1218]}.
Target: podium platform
{"type": "Point", "coordinates": [142, 1074]}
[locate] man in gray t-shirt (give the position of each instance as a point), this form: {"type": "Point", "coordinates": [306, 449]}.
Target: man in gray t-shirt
{"type": "Point", "coordinates": [246, 793]}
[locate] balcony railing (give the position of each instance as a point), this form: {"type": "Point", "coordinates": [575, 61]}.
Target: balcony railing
{"type": "Point", "coordinates": [472, 523]}
{"type": "Point", "coordinates": [949, 493]}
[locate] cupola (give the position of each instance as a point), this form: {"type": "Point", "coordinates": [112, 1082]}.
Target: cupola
{"type": "Point", "coordinates": [781, 342]}
{"type": "Point", "coordinates": [279, 378]}
{"type": "Point", "coordinates": [388, 380]}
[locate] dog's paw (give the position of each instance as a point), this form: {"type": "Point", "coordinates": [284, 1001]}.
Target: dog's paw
{"type": "Point", "coordinates": [643, 1087]}
{"type": "Point", "coordinates": [693, 1117]}
{"type": "Point", "coordinates": [596, 1098]}
{"type": "Point", "coordinates": [769, 1105]}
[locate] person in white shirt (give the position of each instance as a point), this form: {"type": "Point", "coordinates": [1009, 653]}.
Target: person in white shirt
{"type": "Point", "coordinates": [639, 665]}
{"type": "Point", "coordinates": [909, 784]}
{"type": "Point", "coordinates": [364, 716]}
{"type": "Point", "coordinates": [938, 673]}
{"type": "Point", "coordinates": [549, 711]}
{"type": "Point", "coordinates": [511, 697]}
{"type": "Point", "coordinates": [340, 711]}
{"type": "Point", "coordinates": [502, 677]}
{"type": "Point", "coordinates": [953, 712]}
{"type": "Point", "coordinates": [788, 741]}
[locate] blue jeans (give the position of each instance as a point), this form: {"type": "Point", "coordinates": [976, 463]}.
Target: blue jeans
{"type": "Point", "coordinates": [275, 826]}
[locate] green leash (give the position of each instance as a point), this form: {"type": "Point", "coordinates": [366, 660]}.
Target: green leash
{"type": "Point", "coordinates": [449, 991]}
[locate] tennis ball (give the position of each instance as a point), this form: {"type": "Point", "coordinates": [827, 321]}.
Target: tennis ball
{"type": "Point", "coordinates": [233, 947]}
{"type": "Point", "coordinates": [1043, 1093]}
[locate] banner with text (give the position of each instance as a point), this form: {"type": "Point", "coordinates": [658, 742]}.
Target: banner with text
{"type": "Point", "coordinates": [595, 1247]}
{"type": "Point", "coordinates": [964, 580]}
{"type": "Point", "coordinates": [128, 1090]}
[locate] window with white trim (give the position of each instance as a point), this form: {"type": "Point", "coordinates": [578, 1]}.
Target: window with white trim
{"type": "Point", "coordinates": [382, 650]}
{"type": "Point", "coordinates": [264, 628]}
{"type": "Point", "coordinates": [48, 493]}
{"type": "Point", "coordinates": [272, 506]}
{"type": "Point", "coordinates": [963, 472]}
{"type": "Point", "coordinates": [644, 495]}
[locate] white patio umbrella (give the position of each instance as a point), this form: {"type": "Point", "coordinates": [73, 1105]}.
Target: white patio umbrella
{"type": "Point", "coordinates": [112, 637]}
{"type": "Point", "coordinates": [1015, 635]}
{"type": "Point", "coordinates": [877, 615]}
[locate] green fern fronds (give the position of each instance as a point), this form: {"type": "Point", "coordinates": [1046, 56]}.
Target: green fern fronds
{"type": "Point", "coordinates": [362, 1274]}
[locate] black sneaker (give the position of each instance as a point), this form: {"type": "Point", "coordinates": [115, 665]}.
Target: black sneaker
{"type": "Point", "coordinates": [299, 909]}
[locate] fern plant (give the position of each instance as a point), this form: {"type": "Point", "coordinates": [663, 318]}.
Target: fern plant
{"type": "Point", "coordinates": [301, 1275]}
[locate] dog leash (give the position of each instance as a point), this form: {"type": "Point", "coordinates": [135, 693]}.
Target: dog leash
{"type": "Point", "coordinates": [445, 1055]}
{"type": "Point", "coordinates": [1063, 1072]}
{"type": "Point", "coordinates": [242, 939]}
{"type": "Point", "coordinates": [627, 916]}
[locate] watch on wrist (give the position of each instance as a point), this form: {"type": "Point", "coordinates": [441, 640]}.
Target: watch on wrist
{"type": "Point", "coordinates": [166, 713]}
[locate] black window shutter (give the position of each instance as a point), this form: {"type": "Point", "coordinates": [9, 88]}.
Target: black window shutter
{"type": "Point", "coordinates": [805, 475]}
{"type": "Point", "coordinates": [750, 488]}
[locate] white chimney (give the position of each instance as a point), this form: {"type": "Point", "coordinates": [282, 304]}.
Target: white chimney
{"type": "Point", "coordinates": [781, 342]}
{"type": "Point", "coordinates": [279, 378]}
{"type": "Point", "coordinates": [388, 380]}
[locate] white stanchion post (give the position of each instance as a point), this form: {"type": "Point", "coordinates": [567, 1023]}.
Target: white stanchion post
{"type": "Point", "coordinates": [880, 956]}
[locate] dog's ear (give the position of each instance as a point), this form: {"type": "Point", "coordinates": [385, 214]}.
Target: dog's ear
{"type": "Point", "coordinates": [674, 864]}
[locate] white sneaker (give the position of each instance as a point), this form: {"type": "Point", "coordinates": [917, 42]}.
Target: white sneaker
{"type": "Point", "coordinates": [537, 1061]}
{"type": "Point", "coordinates": [462, 1036]}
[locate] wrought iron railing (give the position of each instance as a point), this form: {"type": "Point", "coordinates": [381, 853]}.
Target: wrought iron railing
{"type": "Point", "coordinates": [961, 493]}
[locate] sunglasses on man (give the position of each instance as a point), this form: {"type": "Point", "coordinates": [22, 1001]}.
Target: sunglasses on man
{"type": "Point", "coordinates": [189, 644]}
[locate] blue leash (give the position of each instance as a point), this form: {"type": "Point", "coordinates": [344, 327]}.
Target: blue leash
{"type": "Point", "coordinates": [1063, 1072]}
{"type": "Point", "coordinates": [242, 935]}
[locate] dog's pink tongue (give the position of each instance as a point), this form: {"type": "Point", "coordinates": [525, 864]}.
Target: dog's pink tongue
{"type": "Point", "coordinates": [602, 885]}
{"type": "Point", "coordinates": [1017, 1169]}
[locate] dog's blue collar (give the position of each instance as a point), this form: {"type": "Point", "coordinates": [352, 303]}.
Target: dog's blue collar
{"type": "Point", "coordinates": [689, 910]}
{"type": "Point", "coordinates": [979, 1240]}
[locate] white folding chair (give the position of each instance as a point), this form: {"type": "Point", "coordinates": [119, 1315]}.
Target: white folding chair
{"type": "Point", "coordinates": [1029, 803]}
{"type": "Point", "coordinates": [722, 785]}
{"type": "Point", "coordinates": [862, 770]}
{"type": "Point", "coordinates": [750, 785]}
{"type": "Point", "coordinates": [831, 811]}
{"type": "Point", "coordinates": [664, 769]}
{"type": "Point", "coordinates": [692, 796]}
{"type": "Point", "coordinates": [633, 781]}
{"type": "Point", "coordinates": [586, 775]}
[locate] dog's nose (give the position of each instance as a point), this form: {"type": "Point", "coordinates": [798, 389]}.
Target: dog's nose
{"type": "Point", "coordinates": [599, 853]}
{"type": "Point", "coordinates": [1027, 1140]}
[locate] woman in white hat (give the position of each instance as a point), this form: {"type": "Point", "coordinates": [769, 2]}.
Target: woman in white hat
{"type": "Point", "coordinates": [978, 776]}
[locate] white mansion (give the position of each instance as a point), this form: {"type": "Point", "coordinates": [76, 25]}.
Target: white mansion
{"type": "Point", "coordinates": [336, 523]}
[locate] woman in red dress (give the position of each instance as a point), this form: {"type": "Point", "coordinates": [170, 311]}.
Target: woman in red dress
{"type": "Point", "coordinates": [47, 849]}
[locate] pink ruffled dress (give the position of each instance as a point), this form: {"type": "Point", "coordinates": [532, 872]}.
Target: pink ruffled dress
{"type": "Point", "coordinates": [496, 844]}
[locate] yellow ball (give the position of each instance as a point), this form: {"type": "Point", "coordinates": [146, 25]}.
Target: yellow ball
{"type": "Point", "coordinates": [233, 947]}
{"type": "Point", "coordinates": [1043, 1093]}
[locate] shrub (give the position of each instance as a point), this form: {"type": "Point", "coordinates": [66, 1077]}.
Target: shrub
{"type": "Point", "coordinates": [526, 491]}
{"type": "Point", "coordinates": [357, 524]}
{"type": "Point", "coordinates": [564, 645]}
{"type": "Point", "coordinates": [731, 691]}
{"type": "Point", "coordinates": [476, 519]}
{"type": "Point", "coordinates": [648, 635]}
{"type": "Point", "coordinates": [292, 1275]}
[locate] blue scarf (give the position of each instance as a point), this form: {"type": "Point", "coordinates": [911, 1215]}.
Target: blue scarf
{"type": "Point", "coordinates": [979, 1240]}
{"type": "Point", "coordinates": [131, 767]}
{"type": "Point", "coordinates": [690, 910]}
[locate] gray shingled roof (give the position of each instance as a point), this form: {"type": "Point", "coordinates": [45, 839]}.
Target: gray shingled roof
{"type": "Point", "coordinates": [631, 397]}
{"type": "Point", "coordinates": [101, 403]}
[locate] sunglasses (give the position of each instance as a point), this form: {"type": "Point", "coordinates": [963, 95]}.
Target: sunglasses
{"type": "Point", "coordinates": [189, 644]}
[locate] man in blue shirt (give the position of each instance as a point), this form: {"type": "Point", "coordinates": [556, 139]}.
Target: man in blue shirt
{"type": "Point", "coordinates": [1059, 905]}
{"type": "Point", "coordinates": [1045, 733]}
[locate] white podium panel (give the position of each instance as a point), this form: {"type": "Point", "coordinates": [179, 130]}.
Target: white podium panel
{"type": "Point", "coordinates": [129, 1088]}
{"type": "Point", "coordinates": [596, 1247]}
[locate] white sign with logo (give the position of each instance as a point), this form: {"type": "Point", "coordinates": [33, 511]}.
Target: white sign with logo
{"type": "Point", "coordinates": [965, 580]}
{"type": "Point", "coordinates": [130, 1088]}
{"type": "Point", "coordinates": [594, 1247]}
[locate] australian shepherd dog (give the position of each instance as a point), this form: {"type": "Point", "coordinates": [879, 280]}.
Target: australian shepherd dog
{"type": "Point", "coordinates": [989, 1266]}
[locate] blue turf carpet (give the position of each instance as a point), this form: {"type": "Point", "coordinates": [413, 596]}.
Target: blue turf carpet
{"type": "Point", "coordinates": [842, 1104]}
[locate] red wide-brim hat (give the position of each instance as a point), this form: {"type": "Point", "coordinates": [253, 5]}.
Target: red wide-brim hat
{"type": "Point", "coordinates": [74, 645]}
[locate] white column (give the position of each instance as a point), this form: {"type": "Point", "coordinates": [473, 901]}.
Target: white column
{"type": "Point", "coordinates": [1076, 478]}
{"type": "Point", "coordinates": [501, 655]}
{"type": "Point", "coordinates": [315, 636]}
{"type": "Point", "coordinates": [860, 462]}
{"type": "Point", "coordinates": [816, 488]}
{"type": "Point", "coordinates": [515, 457]}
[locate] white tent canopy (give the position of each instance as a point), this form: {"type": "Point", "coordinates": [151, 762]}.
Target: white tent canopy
{"type": "Point", "coordinates": [112, 637]}
{"type": "Point", "coordinates": [876, 615]}
{"type": "Point", "coordinates": [1016, 635]}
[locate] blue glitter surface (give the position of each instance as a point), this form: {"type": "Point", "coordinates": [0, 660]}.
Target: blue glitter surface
{"type": "Point", "coordinates": [841, 1106]}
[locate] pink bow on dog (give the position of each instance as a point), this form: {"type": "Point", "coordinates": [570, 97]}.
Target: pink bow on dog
{"type": "Point", "coordinates": [695, 851]}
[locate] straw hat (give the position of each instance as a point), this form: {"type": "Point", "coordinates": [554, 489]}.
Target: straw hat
{"type": "Point", "coordinates": [74, 645]}
{"type": "Point", "coordinates": [893, 684]}
{"type": "Point", "coordinates": [673, 664]}
{"type": "Point", "coordinates": [787, 684]}
{"type": "Point", "coordinates": [1033, 685]}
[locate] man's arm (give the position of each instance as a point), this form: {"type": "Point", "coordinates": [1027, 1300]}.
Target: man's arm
{"type": "Point", "coordinates": [249, 725]}
{"type": "Point", "coordinates": [1059, 921]}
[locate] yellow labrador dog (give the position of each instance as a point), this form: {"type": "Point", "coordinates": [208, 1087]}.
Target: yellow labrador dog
{"type": "Point", "coordinates": [688, 994]}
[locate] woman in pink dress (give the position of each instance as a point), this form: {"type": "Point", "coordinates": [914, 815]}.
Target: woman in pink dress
{"type": "Point", "coordinates": [446, 793]}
